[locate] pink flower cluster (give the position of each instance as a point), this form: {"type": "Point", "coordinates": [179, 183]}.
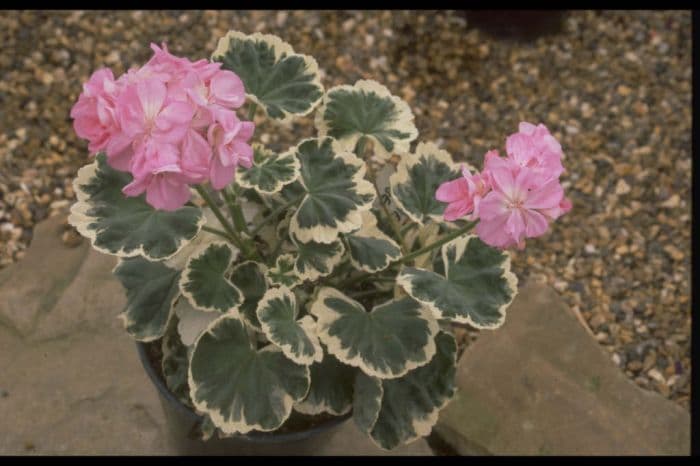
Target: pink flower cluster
{"type": "Point", "coordinates": [514, 197]}
{"type": "Point", "coordinates": [169, 123]}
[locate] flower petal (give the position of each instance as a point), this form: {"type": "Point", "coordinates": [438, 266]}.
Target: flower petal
{"type": "Point", "coordinates": [547, 196]}
{"type": "Point", "coordinates": [166, 193]}
{"type": "Point", "coordinates": [515, 225]}
{"type": "Point", "coordinates": [493, 231]}
{"type": "Point", "coordinates": [492, 205]}
{"type": "Point", "coordinates": [219, 175]}
{"type": "Point", "coordinates": [451, 191]}
{"type": "Point", "coordinates": [244, 153]}
{"type": "Point", "coordinates": [535, 223]}
{"type": "Point", "coordinates": [136, 187]}
{"type": "Point", "coordinates": [227, 89]}
{"type": "Point", "coordinates": [458, 209]}
{"type": "Point", "coordinates": [151, 94]}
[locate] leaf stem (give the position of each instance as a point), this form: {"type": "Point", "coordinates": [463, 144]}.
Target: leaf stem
{"type": "Point", "coordinates": [275, 213]}
{"type": "Point", "coordinates": [445, 239]}
{"type": "Point", "coordinates": [251, 111]}
{"type": "Point", "coordinates": [360, 152]}
{"type": "Point", "coordinates": [235, 238]}
{"type": "Point", "coordinates": [405, 229]}
{"type": "Point", "coordinates": [436, 244]}
{"type": "Point", "coordinates": [275, 252]}
{"type": "Point", "coordinates": [235, 210]}
{"type": "Point", "coordinates": [221, 233]}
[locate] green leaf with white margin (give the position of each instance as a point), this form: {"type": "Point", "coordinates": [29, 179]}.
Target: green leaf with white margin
{"type": "Point", "coordinates": [336, 191]}
{"type": "Point", "coordinates": [410, 405]}
{"type": "Point", "coordinates": [394, 338]}
{"type": "Point", "coordinates": [292, 191]}
{"type": "Point", "coordinates": [192, 322]}
{"type": "Point", "coordinates": [151, 291]}
{"type": "Point", "coordinates": [367, 108]}
{"type": "Point", "coordinates": [285, 84]}
{"type": "Point", "coordinates": [204, 281]}
{"type": "Point", "coordinates": [270, 171]}
{"type": "Point", "coordinates": [277, 313]}
{"type": "Point", "coordinates": [198, 243]}
{"type": "Point", "coordinates": [367, 401]}
{"type": "Point", "coordinates": [477, 287]}
{"type": "Point", "coordinates": [283, 272]}
{"type": "Point", "coordinates": [239, 387]}
{"type": "Point", "coordinates": [127, 226]}
{"type": "Point", "coordinates": [249, 278]}
{"type": "Point", "coordinates": [175, 362]}
{"type": "Point", "coordinates": [371, 250]}
{"type": "Point", "coordinates": [314, 260]}
{"type": "Point", "coordinates": [331, 388]}
{"type": "Point", "coordinates": [416, 179]}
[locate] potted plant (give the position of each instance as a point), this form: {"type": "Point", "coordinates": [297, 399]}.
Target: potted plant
{"type": "Point", "coordinates": [274, 294]}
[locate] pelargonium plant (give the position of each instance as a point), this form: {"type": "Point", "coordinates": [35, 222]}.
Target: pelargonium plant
{"type": "Point", "coordinates": [324, 278]}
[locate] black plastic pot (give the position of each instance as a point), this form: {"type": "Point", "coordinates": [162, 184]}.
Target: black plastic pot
{"type": "Point", "coordinates": [182, 421]}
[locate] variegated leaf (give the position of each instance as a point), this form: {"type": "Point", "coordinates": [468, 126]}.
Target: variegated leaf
{"type": "Point", "coordinates": [127, 226]}
{"type": "Point", "coordinates": [394, 338]}
{"type": "Point", "coordinates": [417, 178]}
{"type": "Point", "coordinates": [368, 109]}
{"type": "Point", "coordinates": [367, 401]}
{"type": "Point", "coordinates": [204, 282]}
{"type": "Point", "coordinates": [199, 243]}
{"type": "Point", "coordinates": [370, 248]}
{"type": "Point", "coordinates": [331, 388]}
{"type": "Point", "coordinates": [192, 322]}
{"type": "Point", "coordinates": [151, 291]}
{"type": "Point", "coordinates": [270, 171]}
{"type": "Point", "coordinates": [314, 260]}
{"type": "Point", "coordinates": [277, 313]}
{"type": "Point", "coordinates": [239, 387]}
{"type": "Point", "coordinates": [285, 84]}
{"type": "Point", "coordinates": [249, 278]}
{"type": "Point", "coordinates": [336, 192]}
{"type": "Point", "coordinates": [476, 289]}
{"type": "Point", "coordinates": [175, 362]}
{"type": "Point", "coordinates": [410, 405]}
{"type": "Point", "coordinates": [283, 272]}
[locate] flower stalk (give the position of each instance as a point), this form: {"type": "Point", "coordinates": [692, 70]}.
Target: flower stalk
{"type": "Point", "coordinates": [275, 213]}
{"type": "Point", "coordinates": [436, 244]}
{"type": "Point", "coordinates": [360, 149]}
{"type": "Point", "coordinates": [235, 238]}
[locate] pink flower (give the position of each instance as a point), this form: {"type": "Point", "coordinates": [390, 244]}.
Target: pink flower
{"type": "Point", "coordinates": [563, 207]}
{"type": "Point", "coordinates": [94, 114]}
{"type": "Point", "coordinates": [229, 140]}
{"type": "Point", "coordinates": [463, 195]}
{"type": "Point", "coordinates": [145, 112]}
{"type": "Point", "coordinates": [164, 62]}
{"type": "Point", "coordinates": [161, 176]}
{"type": "Point", "coordinates": [170, 123]}
{"type": "Point", "coordinates": [533, 147]}
{"type": "Point", "coordinates": [518, 207]}
{"type": "Point", "coordinates": [196, 156]}
{"type": "Point", "coordinates": [224, 90]}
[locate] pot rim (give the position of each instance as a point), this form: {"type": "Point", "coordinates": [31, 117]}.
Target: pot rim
{"type": "Point", "coordinates": [253, 437]}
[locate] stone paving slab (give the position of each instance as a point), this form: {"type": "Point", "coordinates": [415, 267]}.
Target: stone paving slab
{"type": "Point", "coordinates": [70, 378]}
{"type": "Point", "coordinates": [540, 385]}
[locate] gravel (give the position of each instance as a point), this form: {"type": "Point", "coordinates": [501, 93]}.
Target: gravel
{"type": "Point", "coordinates": [613, 87]}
